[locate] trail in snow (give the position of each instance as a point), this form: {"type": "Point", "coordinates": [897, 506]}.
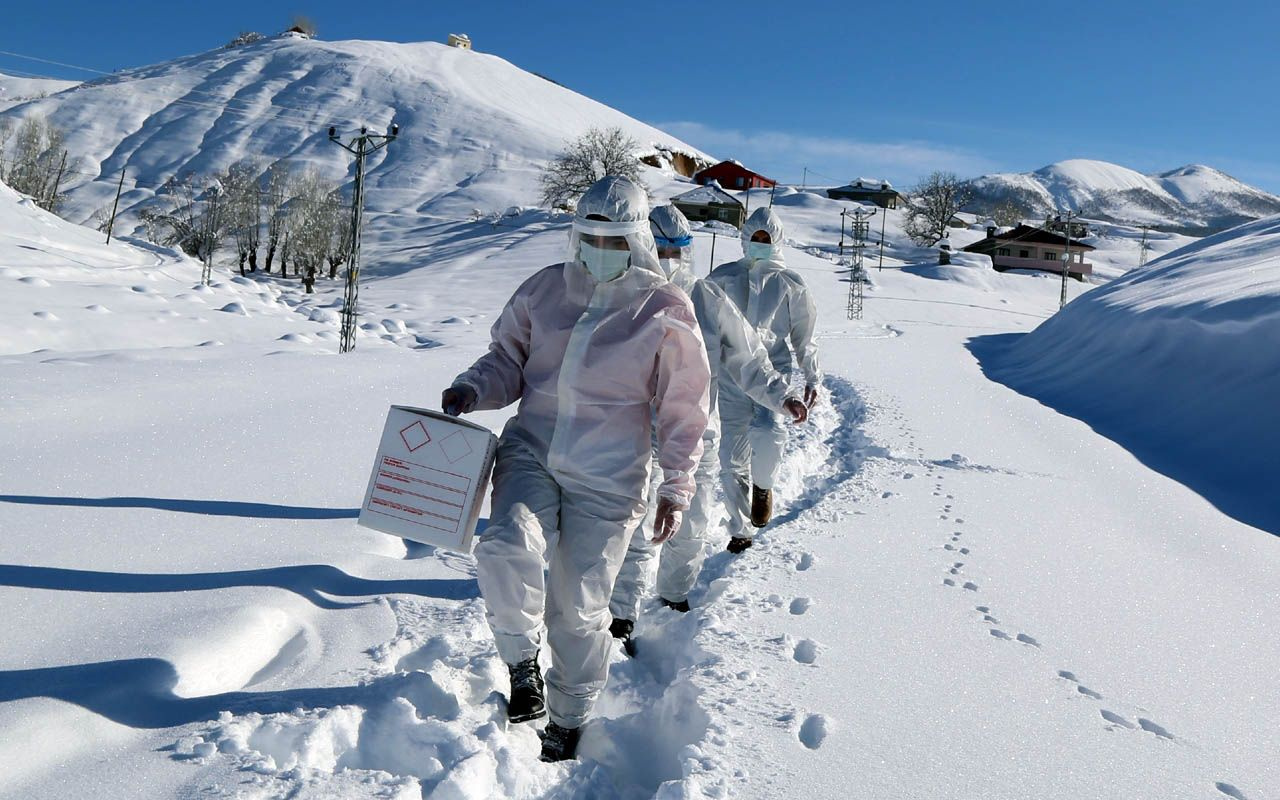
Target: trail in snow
{"type": "Point", "coordinates": [427, 718]}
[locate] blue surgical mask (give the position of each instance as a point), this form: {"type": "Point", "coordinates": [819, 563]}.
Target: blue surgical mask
{"type": "Point", "coordinates": [759, 251]}
{"type": "Point", "coordinates": [604, 265]}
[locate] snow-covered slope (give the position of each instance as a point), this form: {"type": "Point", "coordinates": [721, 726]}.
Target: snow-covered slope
{"type": "Point", "coordinates": [1191, 197]}
{"type": "Point", "coordinates": [1177, 362]}
{"type": "Point", "coordinates": [474, 129]}
{"type": "Point", "coordinates": [15, 89]}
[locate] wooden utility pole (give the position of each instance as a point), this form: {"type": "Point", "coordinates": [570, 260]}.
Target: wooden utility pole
{"type": "Point", "coordinates": [53, 197]}
{"type": "Point", "coordinates": [115, 205]}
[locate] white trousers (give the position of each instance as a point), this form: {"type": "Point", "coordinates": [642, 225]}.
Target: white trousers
{"type": "Point", "coordinates": [751, 441]}
{"type": "Point", "coordinates": [578, 536]}
{"type": "Point", "coordinates": [681, 556]}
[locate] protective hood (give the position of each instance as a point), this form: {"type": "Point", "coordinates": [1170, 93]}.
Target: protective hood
{"type": "Point", "coordinates": [763, 219]}
{"type": "Point", "coordinates": [670, 227]}
{"type": "Point", "coordinates": [625, 209]}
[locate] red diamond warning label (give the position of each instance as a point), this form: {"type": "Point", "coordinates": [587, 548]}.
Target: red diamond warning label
{"type": "Point", "coordinates": [415, 436]}
{"type": "Point", "coordinates": [455, 447]}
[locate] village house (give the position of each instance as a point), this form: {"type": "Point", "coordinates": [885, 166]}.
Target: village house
{"type": "Point", "coordinates": [867, 190]}
{"type": "Point", "coordinates": [1025, 247]}
{"type": "Point", "coordinates": [708, 203]}
{"type": "Point", "coordinates": [732, 175]}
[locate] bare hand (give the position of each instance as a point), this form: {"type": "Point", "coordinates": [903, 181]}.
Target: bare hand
{"type": "Point", "coordinates": [457, 400]}
{"type": "Point", "coordinates": [810, 396]}
{"type": "Point", "coordinates": [666, 520]}
{"type": "Point", "coordinates": [798, 410]}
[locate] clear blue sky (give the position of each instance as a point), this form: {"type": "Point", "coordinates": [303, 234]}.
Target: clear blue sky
{"type": "Point", "coordinates": [880, 89]}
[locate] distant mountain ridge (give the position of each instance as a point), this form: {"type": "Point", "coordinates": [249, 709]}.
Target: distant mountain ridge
{"type": "Point", "coordinates": [1195, 198]}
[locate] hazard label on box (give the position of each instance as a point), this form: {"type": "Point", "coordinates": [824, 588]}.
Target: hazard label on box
{"type": "Point", "coordinates": [415, 436]}
{"type": "Point", "coordinates": [455, 447]}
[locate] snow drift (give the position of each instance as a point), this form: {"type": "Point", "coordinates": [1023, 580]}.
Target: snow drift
{"type": "Point", "coordinates": [1176, 362]}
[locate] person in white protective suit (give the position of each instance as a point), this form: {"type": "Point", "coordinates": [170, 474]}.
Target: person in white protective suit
{"type": "Point", "coordinates": [599, 351]}
{"type": "Point", "coordinates": [777, 303]}
{"type": "Point", "coordinates": [735, 355]}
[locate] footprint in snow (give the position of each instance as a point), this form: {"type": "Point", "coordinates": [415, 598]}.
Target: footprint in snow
{"type": "Point", "coordinates": [948, 547]}
{"type": "Point", "coordinates": [1151, 727]}
{"type": "Point", "coordinates": [1025, 639]}
{"type": "Point", "coordinates": [971, 586]}
{"type": "Point", "coordinates": [806, 562]}
{"type": "Point", "coordinates": [1115, 719]}
{"type": "Point", "coordinates": [806, 651]}
{"type": "Point", "coordinates": [813, 731]}
{"type": "Point", "coordinates": [964, 551]}
{"type": "Point", "coordinates": [991, 619]}
{"type": "Point", "coordinates": [948, 582]}
{"type": "Point", "coordinates": [1229, 790]}
{"type": "Point", "coordinates": [800, 605]}
{"type": "Point", "coordinates": [954, 570]}
{"type": "Point", "coordinates": [999, 634]}
{"type": "Point", "coordinates": [1087, 692]}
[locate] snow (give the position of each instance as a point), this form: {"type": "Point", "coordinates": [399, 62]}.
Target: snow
{"type": "Point", "coordinates": [16, 89]}
{"type": "Point", "coordinates": [971, 589]}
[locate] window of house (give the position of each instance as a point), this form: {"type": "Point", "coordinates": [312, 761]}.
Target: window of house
{"type": "Point", "coordinates": [739, 182]}
{"type": "Point", "coordinates": [1050, 255]}
{"type": "Point", "coordinates": [1024, 254]}
{"type": "Point", "coordinates": [1002, 251]}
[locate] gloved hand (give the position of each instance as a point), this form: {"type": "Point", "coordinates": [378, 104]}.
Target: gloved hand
{"type": "Point", "coordinates": [666, 520]}
{"type": "Point", "coordinates": [458, 400]}
{"type": "Point", "coordinates": [797, 409]}
{"type": "Point", "coordinates": [810, 395]}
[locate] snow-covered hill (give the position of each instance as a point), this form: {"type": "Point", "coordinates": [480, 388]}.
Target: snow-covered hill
{"type": "Point", "coordinates": [474, 129]}
{"type": "Point", "coordinates": [15, 89]}
{"type": "Point", "coordinates": [1177, 362]}
{"type": "Point", "coordinates": [1191, 197]}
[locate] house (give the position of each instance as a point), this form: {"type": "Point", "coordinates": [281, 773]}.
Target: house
{"type": "Point", "coordinates": [1026, 247]}
{"type": "Point", "coordinates": [460, 41]}
{"type": "Point", "coordinates": [708, 203]}
{"type": "Point", "coordinates": [867, 190]}
{"type": "Point", "coordinates": [732, 175]}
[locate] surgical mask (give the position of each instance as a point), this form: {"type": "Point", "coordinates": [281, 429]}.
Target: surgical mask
{"type": "Point", "coordinates": [604, 265]}
{"type": "Point", "coordinates": [759, 251]}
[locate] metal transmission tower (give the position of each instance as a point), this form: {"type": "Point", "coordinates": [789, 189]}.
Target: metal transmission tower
{"type": "Point", "coordinates": [360, 146]}
{"type": "Point", "coordinates": [1066, 259]}
{"type": "Point", "coordinates": [1144, 247]}
{"type": "Point", "coordinates": [860, 225]}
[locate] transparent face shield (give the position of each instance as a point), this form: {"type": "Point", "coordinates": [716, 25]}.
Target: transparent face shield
{"type": "Point", "coordinates": [608, 249]}
{"type": "Point", "coordinates": [675, 254]}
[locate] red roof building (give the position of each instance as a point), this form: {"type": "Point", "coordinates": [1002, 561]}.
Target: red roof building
{"type": "Point", "coordinates": [732, 175]}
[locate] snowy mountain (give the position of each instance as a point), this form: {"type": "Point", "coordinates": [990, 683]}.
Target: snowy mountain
{"type": "Point", "coordinates": [475, 130]}
{"type": "Point", "coordinates": [15, 89]}
{"type": "Point", "coordinates": [1176, 361]}
{"type": "Point", "coordinates": [1192, 198]}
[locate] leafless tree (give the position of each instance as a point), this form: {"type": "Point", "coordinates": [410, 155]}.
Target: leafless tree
{"type": "Point", "coordinates": [1007, 213]}
{"type": "Point", "coordinates": [37, 162]}
{"type": "Point", "coordinates": [932, 204]}
{"type": "Point", "coordinates": [244, 210]}
{"type": "Point", "coordinates": [587, 159]}
{"type": "Point", "coordinates": [194, 218]}
{"type": "Point", "coordinates": [339, 216]}
{"type": "Point", "coordinates": [273, 201]}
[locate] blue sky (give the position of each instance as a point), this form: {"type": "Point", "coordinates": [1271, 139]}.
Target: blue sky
{"type": "Point", "coordinates": [881, 89]}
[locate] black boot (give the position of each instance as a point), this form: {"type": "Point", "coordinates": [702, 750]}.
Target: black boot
{"type": "Point", "coordinates": [761, 506]}
{"type": "Point", "coordinates": [526, 701]}
{"type": "Point", "coordinates": [559, 744]}
{"type": "Point", "coordinates": [621, 630]}
{"type": "Point", "coordinates": [682, 606]}
{"type": "Point", "coordinates": [738, 543]}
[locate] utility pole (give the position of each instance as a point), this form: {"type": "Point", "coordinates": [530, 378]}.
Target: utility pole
{"type": "Point", "coordinates": [1066, 260]}
{"type": "Point", "coordinates": [713, 248]}
{"type": "Point", "coordinates": [860, 226]}
{"type": "Point", "coordinates": [1144, 247]}
{"type": "Point", "coordinates": [53, 198]}
{"type": "Point", "coordinates": [804, 180]}
{"type": "Point", "coordinates": [360, 146]}
{"type": "Point", "coordinates": [115, 205]}
{"type": "Point", "coordinates": [883, 217]}
{"type": "Point", "coordinates": [843, 213]}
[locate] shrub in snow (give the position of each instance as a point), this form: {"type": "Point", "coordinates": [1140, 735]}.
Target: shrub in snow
{"type": "Point", "coordinates": [587, 159]}
{"type": "Point", "coordinates": [245, 37]}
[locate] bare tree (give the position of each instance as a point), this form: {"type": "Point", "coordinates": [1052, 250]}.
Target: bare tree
{"type": "Point", "coordinates": [1009, 212]}
{"type": "Point", "coordinates": [339, 214]}
{"type": "Point", "coordinates": [6, 130]}
{"type": "Point", "coordinates": [244, 210]}
{"type": "Point", "coordinates": [38, 162]}
{"type": "Point", "coordinates": [932, 204]}
{"type": "Point", "coordinates": [587, 159]}
{"type": "Point", "coordinates": [310, 221]}
{"type": "Point", "coordinates": [195, 219]}
{"type": "Point", "coordinates": [273, 201]}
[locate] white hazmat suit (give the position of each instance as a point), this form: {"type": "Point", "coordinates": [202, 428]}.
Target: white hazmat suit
{"type": "Point", "coordinates": [776, 302]}
{"type": "Point", "coordinates": [735, 356]}
{"type": "Point", "coordinates": [591, 364]}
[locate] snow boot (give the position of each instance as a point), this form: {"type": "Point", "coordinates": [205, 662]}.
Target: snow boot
{"type": "Point", "coordinates": [559, 744]}
{"type": "Point", "coordinates": [761, 506]}
{"type": "Point", "coordinates": [621, 630]}
{"type": "Point", "coordinates": [526, 701]}
{"type": "Point", "coordinates": [682, 606]}
{"type": "Point", "coordinates": [737, 544]}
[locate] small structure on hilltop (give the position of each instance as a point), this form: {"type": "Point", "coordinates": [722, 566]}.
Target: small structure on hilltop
{"type": "Point", "coordinates": [732, 175]}
{"type": "Point", "coordinates": [1027, 247]}
{"type": "Point", "coordinates": [867, 190]}
{"type": "Point", "coordinates": [710, 203]}
{"type": "Point", "coordinates": [460, 41]}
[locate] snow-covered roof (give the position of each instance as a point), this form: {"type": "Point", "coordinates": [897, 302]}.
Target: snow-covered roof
{"type": "Point", "coordinates": [707, 195]}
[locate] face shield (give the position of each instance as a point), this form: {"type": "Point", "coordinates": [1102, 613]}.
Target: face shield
{"type": "Point", "coordinates": [674, 240]}
{"type": "Point", "coordinates": [610, 231]}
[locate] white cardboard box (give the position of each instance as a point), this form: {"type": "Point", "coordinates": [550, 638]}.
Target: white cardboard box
{"type": "Point", "coordinates": [429, 478]}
